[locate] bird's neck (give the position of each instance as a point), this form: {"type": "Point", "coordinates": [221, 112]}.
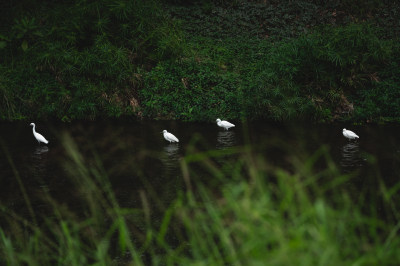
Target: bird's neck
{"type": "Point", "coordinates": [33, 129]}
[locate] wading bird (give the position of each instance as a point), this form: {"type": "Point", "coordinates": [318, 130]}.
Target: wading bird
{"type": "Point", "coordinates": [224, 124]}
{"type": "Point", "coordinates": [349, 134]}
{"type": "Point", "coordinates": [39, 137]}
{"type": "Point", "coordinates": [169, 137]}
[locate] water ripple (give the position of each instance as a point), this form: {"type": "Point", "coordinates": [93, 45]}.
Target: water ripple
{"type": "Point", "coordinates": [351, 159]}
{"type": "Point", "coordinates": [225, 139]}
{"type": "Point", "coordinates": [171, 156]}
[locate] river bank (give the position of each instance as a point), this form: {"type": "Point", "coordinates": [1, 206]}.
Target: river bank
{"type": "Point", "coordinates": [195, 62]}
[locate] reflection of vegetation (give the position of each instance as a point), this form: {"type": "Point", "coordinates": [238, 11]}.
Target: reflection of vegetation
{"type": "Point", "coordinates": [255, 213]}
{"type": "Point", "coordinates": [171, 59]}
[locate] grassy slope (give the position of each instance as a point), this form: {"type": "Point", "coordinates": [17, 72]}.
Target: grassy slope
{"type": "Point", "coordinates": [276, 60]}
{"type": "Point", "coordinates": [280, 60]}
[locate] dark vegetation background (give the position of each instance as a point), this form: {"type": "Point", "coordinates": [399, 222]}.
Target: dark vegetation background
{"type": "Point", "coordinates": [199, 60]}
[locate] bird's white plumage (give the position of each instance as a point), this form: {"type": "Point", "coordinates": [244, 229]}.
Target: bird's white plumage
{"type": "Point", "coordinates": [39, 137]}
{"type": "Point", "coordinates": [169, 137]}
{"type": "Point", "coordinates": [349, 134]}
{"type": "Point", "coordinates": [224, 124]}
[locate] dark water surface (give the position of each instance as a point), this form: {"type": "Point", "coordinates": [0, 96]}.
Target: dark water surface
{"type": "Point", "coordinates": [137, 159]}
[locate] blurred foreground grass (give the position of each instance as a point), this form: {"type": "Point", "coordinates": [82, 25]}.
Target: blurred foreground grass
{"type": "Point", "coordinates": [257, 214]}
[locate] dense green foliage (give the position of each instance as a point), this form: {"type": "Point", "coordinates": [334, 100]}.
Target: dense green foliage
{"type": "Point", "coordinates": [315, 76]}
{"type": "Point", "coordinates": [255, 213]}
{"type": "Point", "coordinates": [196, 60]}
{"type": "Point", "coordinates": [78, 59]}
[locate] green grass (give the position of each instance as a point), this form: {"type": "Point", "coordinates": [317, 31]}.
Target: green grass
{"type": "Point", "coordinates": [246, 211]}
{"type": "Point", "coordinates": [197, 61]}
{"type": "Point", "coordinates": [334, 73]}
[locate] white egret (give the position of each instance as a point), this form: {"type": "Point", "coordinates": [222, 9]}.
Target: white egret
{"type": "Point", "coordinates": [224, 124]}
{"type": "Point", "coordinates": [39, 137]}
{"type": "Point", "coordinates": [169, 137]}
{"type": "Point", "coordinates": [349, 134]}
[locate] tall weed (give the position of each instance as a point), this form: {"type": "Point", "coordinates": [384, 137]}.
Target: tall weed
{"type": "Point", "coordinates": [251, 212]}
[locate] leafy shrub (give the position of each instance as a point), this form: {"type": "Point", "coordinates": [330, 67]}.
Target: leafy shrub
{"type": "Point", "coordinates": [233, 59]}
{"type": "Point", "coordinates": [7, 99]}
{"type": "Point", "coordinates": [317, 72]}
{"type": "Point", "coordinates": [189, 90]}
{"type": "Point", "coordinates": [238, 19]}
{"type": "Point", "coordinates": [380, 101]}
{"type": "Point", "coordinates": [80, 59]}
{"type": "Point", "coordinates": [324, 75]}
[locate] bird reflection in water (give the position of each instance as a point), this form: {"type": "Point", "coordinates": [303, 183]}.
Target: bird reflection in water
{"type": "Point", "coordinates": [171, 156]}
{"type": "Point", "coordinates": [225, 139]}
{"type": "Point", "coordinates": [40, 150]}
{"type": "Point", "coordinates": [351, 159]}
{"type": "Point", "coordinates": [39, 168]}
